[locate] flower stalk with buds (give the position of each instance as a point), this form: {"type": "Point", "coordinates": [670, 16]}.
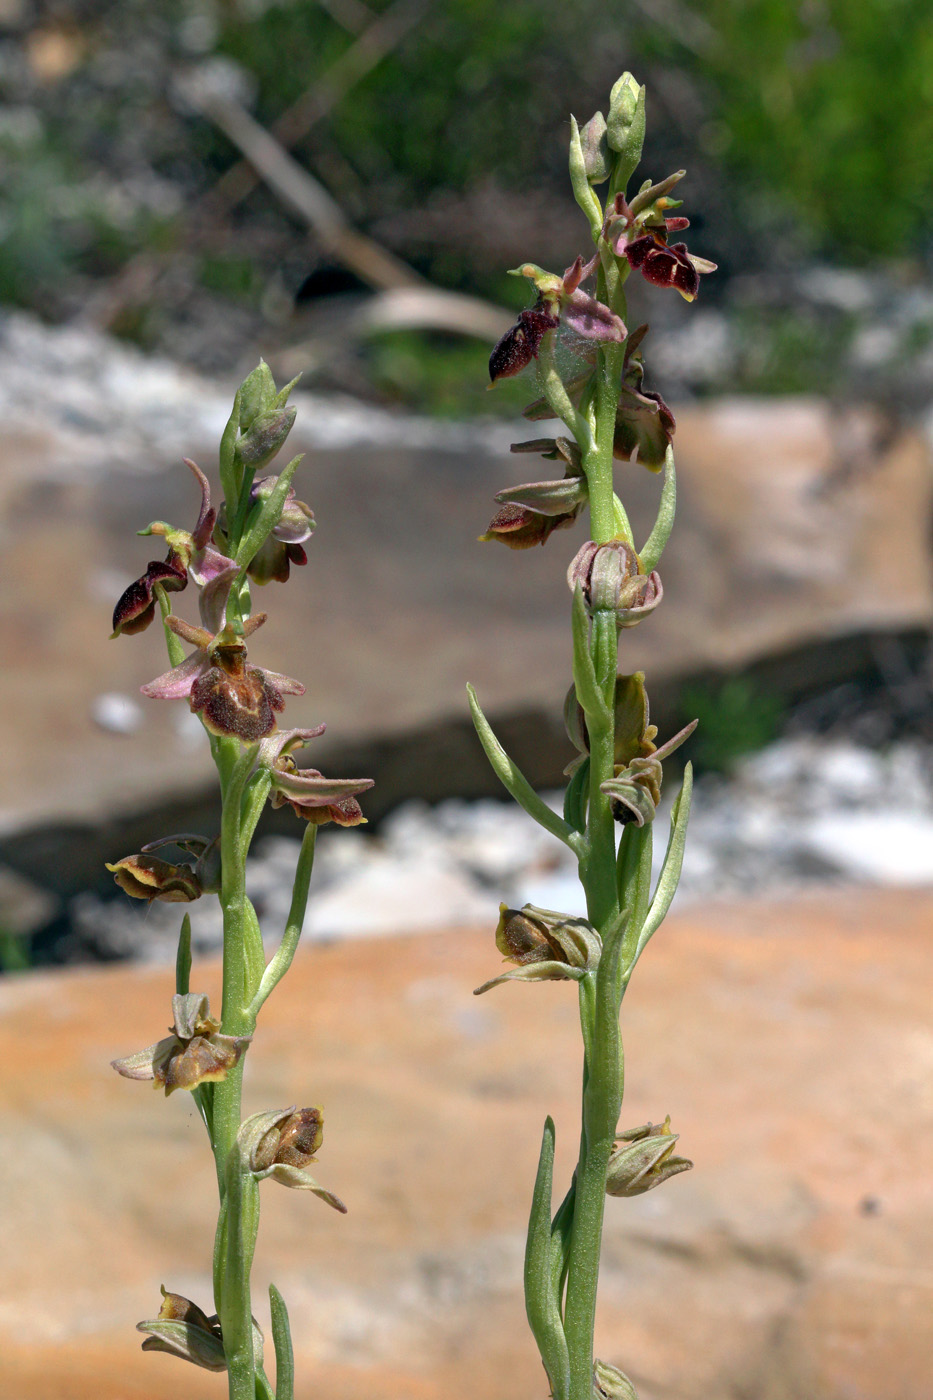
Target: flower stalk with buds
{"type": "Point", "coordinates": [594, 386]}
{"type": "Point", "coordinates": [257, 534]}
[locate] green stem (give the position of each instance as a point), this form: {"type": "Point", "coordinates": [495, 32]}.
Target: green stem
{"type": "Point", "coordinates": [239, 1195]}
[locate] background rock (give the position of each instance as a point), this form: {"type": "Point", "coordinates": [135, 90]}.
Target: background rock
{"type": "Point", "coordinates": [790, 1041]}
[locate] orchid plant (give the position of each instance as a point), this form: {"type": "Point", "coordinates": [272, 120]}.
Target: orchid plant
{"type": "Point", "coordinates": [589, 371]}
{"type": "Point", "coordinates": [255, 537]}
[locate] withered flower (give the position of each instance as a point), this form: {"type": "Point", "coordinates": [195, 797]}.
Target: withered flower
{"type": "Point", "coordinates": [281, 1144]}
{"type": "Point", "coordinates": [533, 511]}
{"type": "Point", "coordinates": [283, 547]}
{"type": "Point", "coordinates": [310, 795]}
{"type": "Point", "coordinates": [635, 787]}
{"type": "Point", "coordinates": [231, 696]}
{"type": "Point", "coordinates": [183, 1330]}
{"type": "Point", "coordinates": [545, 945]}
{"type": "Point", "coordinates": [644, 424]}
{"type": "Point", "coordinates": [189, 552]}
{"type": "Point", "coordinates": [146, 876]}
{"type": "Point", "coordinates": [642, 1158]}
{"type": "Point", "coordinates": [194, 1053]}
{"type": "Point", "coordinates": [560, 303]}
{"type": "Point", "coordinates": [611, 579]}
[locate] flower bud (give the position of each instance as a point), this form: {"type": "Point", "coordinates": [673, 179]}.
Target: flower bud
{"type": "Point", "coordinates": [257, 394]}
{"type": "Point", "coordinates": [265, 436]}
{"type": "Point", "coordinates": [597, 160]}
{"type": "Point", "coordinates": [609, 1383]}
{"type": "Point", "coordinates": [625, 127]}
{"type": "Point", "coordinates": [195, 1053]}
{"type": "Point", "coordinates": [611, 581]}
{"type": "Point", "coordinates": [642, 1158]}
{"type": "Point", "coordinates": [183, 1330]}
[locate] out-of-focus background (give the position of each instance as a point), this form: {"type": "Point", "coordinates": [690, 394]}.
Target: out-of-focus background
{"type": "Point", "coordinates": [340, 186]}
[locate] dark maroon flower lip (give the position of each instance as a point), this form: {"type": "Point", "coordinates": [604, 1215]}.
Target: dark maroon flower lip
{"type": "Point", "coordinates": [519, 346]}
{"type": "Point", "coordinates": [136, 606]}
{"type": "Point", "coordinates": [561, 302]}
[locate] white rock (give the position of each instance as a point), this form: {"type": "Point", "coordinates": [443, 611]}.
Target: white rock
{"type": "Point", "coordinates": [392, 895]}
{"type": "Point", "coordinates": [884, 847]}
{"type": "Point", "coordinates": [120, 714]}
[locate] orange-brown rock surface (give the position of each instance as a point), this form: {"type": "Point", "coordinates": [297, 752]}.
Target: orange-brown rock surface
{"type": "Point", "coordinates": [790, 1041]}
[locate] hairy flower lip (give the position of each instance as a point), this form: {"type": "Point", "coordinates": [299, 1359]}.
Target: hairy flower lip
{"type": "Point", "coordinates": [232, 697]}
{"type": "Point", "coordinates": [193, 1053]}
{"type": "Point", "coordinates": [560, 302]}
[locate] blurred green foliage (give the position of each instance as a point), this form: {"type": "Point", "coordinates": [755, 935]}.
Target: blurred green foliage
{"type": "Point", "coordinates": [826, 106]}
{"type": "Point", "coordinates": [441, 375]}
{"type": "Point", "coordinates": [806, 125]}
{"type": "Point", "coordinates": [735, 717]}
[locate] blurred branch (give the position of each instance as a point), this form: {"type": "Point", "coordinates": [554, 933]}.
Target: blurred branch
{"type": "Point", "coordinates": [374, 44]}
{"type": "Point", "coordinates": [136, 280]}
{"type": "Point", "coordinates": [301, 192]}
{"type": "Point", "coordinates": [422, 308]}
{"type": "Point", "coordinates": [351, 15]}
{"type": "Point", "coordinates": [682, 24]}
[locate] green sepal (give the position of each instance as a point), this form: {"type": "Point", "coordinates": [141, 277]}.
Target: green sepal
{"type": "Point", "coordinates": [282, 1341]}
{"type": "Point", "coordinates": [582, 189]}
{"type": "Point", "coordinates": [268, 517]}
{"type": "Point", "coordinates": [669, 878]}
{"type": "Point", "coordinates": [515, 782]}
{"type": "Point", "coordinates": [576, 795]}
{"type": "Point", "coordinates": [542, 1301]}
{"type": "Point", "coordinates": [653, 547]}
{"type": "Point", "coordinates": [281, 398]}
{"type": "Point", "coordinates": [587, 686]}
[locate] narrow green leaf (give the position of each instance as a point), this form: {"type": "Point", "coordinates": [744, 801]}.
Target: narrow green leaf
{"type": "Point", "coordinates": [517, 784]}
{"type": "Point", "coordinates": [228, 480]}
{"type": "Point", "coordinates": [654, 545]}
{"type": "Point", "coordinates": [584, 670]}
{"type": "Point", "coordinates": [669, 878]}
{"type": "Point", "coordinates": [281, 959]}
{"type": "Point", "coordinates": [561, 1231]}
{"type": "Point", "coordinates": [268, 516]}
{"type": "Point", "coordinates": [254, 800]}
{"type": "Point", "coordinates": [541, 1301]}
{"type": "Point", "coordinates": [633, 873]}
{"type": "Point", "coordinates": [183, 959]}
{"type": "Point", "coordinates": [282, 1341]}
